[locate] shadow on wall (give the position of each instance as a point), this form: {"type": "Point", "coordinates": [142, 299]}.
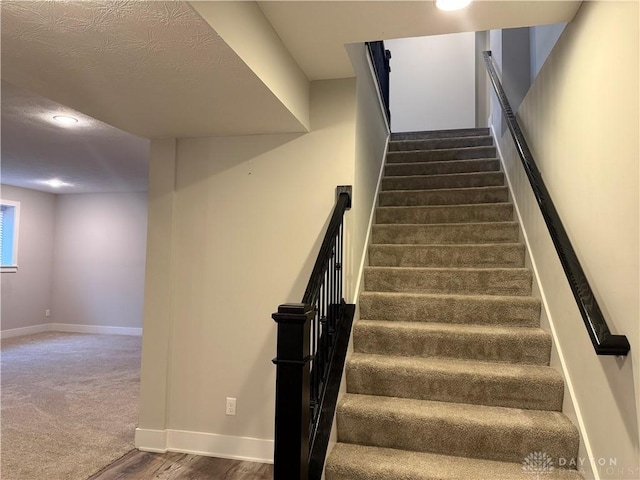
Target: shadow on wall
{"type": "Point", "coordinates": [619, 374]}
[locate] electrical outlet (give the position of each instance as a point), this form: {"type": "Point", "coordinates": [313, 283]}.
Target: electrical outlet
{"type": "Point", "coordinates": [231, 406]}
{"type": "Point", "coordinates": [47, 313]}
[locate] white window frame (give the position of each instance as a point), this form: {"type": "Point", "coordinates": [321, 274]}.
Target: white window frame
{"type": "Point", "coordinates": [13, 268]}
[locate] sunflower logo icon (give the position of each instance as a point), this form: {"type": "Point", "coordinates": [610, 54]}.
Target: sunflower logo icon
{"type": "Point", "coordinates": [538, 463]}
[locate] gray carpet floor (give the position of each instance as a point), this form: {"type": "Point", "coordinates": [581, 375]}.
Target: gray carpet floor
{"type": "Point", "coordinates": [69, 404]}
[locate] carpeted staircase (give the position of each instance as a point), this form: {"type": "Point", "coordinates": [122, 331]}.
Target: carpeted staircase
{"type": "Point", "coordinates": [449, 378]}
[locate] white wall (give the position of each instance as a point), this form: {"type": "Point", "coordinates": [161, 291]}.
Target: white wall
{"type": "Point", "coordinates": [99, 259]}
{"type": "Point", "coordinates": [432, 82]}
{"type": "Point", "coordinates": [235, 225]}
{"type": "Point", "coordinates": [26, 294]}
{"type": "Point", "coordinates": [582, 122]}
{"type": "Point", "coordinates": [542, 39]}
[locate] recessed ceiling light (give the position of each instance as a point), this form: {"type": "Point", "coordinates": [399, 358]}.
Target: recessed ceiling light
{"type": "Point", "coordinates": [56, 183]}
{"type": "Point", "coordinates": [65, 120]}
{"type": "Point", "coordinates": [451, 5]}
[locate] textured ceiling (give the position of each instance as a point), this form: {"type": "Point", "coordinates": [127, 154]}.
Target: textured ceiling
{"type": "Point", "coordinates": [315, 32]}
{"type": "Point", "coordinates": [155, 69]}
{"type": "Point", "coordinates": [92, 156]}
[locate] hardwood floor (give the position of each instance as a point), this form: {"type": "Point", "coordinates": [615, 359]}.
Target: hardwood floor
{"type": "Point", "coordinates": [180, 466]}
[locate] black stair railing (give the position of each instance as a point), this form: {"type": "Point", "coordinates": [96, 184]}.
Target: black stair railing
{"type": "Point", "coordinates": [380, 59]}
{"type": "Point", "coordinates": [312, 343]}
{"type": "Point", "coordinates": [604, 342]}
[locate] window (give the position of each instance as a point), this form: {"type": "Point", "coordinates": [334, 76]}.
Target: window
{"type": "Point", "coordinates": [9, 220]}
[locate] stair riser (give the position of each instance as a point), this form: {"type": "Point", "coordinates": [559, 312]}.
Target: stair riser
{"type": "Point", "coordinates": [464, 132]}
{"type": "Point", "coordinates": [442, 168]}
{"type": "Point", "coordinates": [436, 143]}
{"type": "Point", "coordinates": [441, 155]}
{"type": "Point", "coordinates": [451, 233]}
{"type": "Point", "coordinates": [435, 182]}
{"type": "Point", "coordinates": [496, 256]}
{"type": "Point", "coordinates": [514, 311]}
{"type": "Point", "coordinates": [534, 392]}
{"type": "Point", "coordinates": [444, 197]}
{"type": "Point", "coordinates": [456, 281]}
{"type": "Point", "coordinates": [447, 436]}
{"type": "Point", "coordinates": [526, 348]}
{"type": "Point", "coordinates": [357, 462]}
{"type": "Point", "coordinates": [445, 214]}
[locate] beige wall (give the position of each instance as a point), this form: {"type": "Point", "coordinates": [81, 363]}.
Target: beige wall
{"type": "Point", "coordinates": [372, 133]}
{"type": "Point", "coordinates": [243, 224]}
{"type": "Point", "coordinates": [250, 215]}
{"type": "Point", "coordinates": [243, 26]}
{"type": "Point", "coordinates": [99, 259]}
{"type": "Point", "coordinates": [158, 292]}
{"type": "Point", "coordinates": [581, 119]}
{"type": "Point", "coordinates": [27, 294]}
{"type": "Point", "coordinates": [235, 224]}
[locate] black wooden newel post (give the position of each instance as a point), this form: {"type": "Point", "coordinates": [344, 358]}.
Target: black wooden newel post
{"type": "Point", "coordinates": [291, 456]}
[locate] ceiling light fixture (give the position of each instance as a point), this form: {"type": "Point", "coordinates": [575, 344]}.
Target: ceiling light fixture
{"type": "Point", "coordinates": [452, 5]}
{"type": "Point", "coordinates": [56, 183]}
{"type": "Point", "coordinates": [65, 120]}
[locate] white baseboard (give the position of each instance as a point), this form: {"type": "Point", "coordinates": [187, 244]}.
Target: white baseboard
{"type": "Point", "coordinates": [149, 440]}
{"type": "Point", "coordinates": [19, 332]}
{"type": "Point", "coordinates": [97, 329]}
{"type": "Point", "coordinates": [71, 328]}
{"type": "Point", "coordinates": [207, 444]}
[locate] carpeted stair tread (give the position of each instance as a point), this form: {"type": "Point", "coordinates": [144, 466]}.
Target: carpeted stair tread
{"type": "Point", "coordinates": [437, 143]}
{"type": "Point", "coordinates": [423, 307]}
{"type": "Point", "coordinates": [483, 212]}
{"type": "Point", "coordinates": [490, 255]}
{"type": "Point", "coordinates": [444, 196]}
{"type": "Point", "coordinates": [436, 168]}
{"type": "Point", "coordinates": [459, 132]}
{"type": "Point", "coordinates": [359, 462]}
{"type": "Point", "coordinates": [458, 233]}
{"type": "Point", "coordinates": [441, 154]}
{"type": "Point", "coordinates": [495, 343]}
{"type": "Point", "coordinates": [439, 182]}
{"type": "Point", "coordinates": [482, 281]}
{"type": "Point", "coordinates": [476, 431]}
{"type": "Point", "coordinates": [530, 387]}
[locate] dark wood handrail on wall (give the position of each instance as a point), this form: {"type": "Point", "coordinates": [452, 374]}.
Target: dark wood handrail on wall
{"type": "Point", "coordinates": [604, 342]}
{"type": "Point", "coordinates": [312, 345]}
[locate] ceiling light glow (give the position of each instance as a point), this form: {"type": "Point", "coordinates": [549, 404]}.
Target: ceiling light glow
{"type": "Point", "coordinates": [65, 120]}
{"type": "Point", "coordinates": [451, 5]}
{"type": "Point", "coordinates": [56, 183]}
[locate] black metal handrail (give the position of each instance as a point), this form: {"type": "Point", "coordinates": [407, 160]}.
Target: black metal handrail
{"type": "Point", "coordinates": [603, 341]}
{"type": "Point", "coordinates": [380, 59]}
{"type": "Point", "coordinates": [330, 248]}
{"type": "Point", "coordinates": [312, 344]}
